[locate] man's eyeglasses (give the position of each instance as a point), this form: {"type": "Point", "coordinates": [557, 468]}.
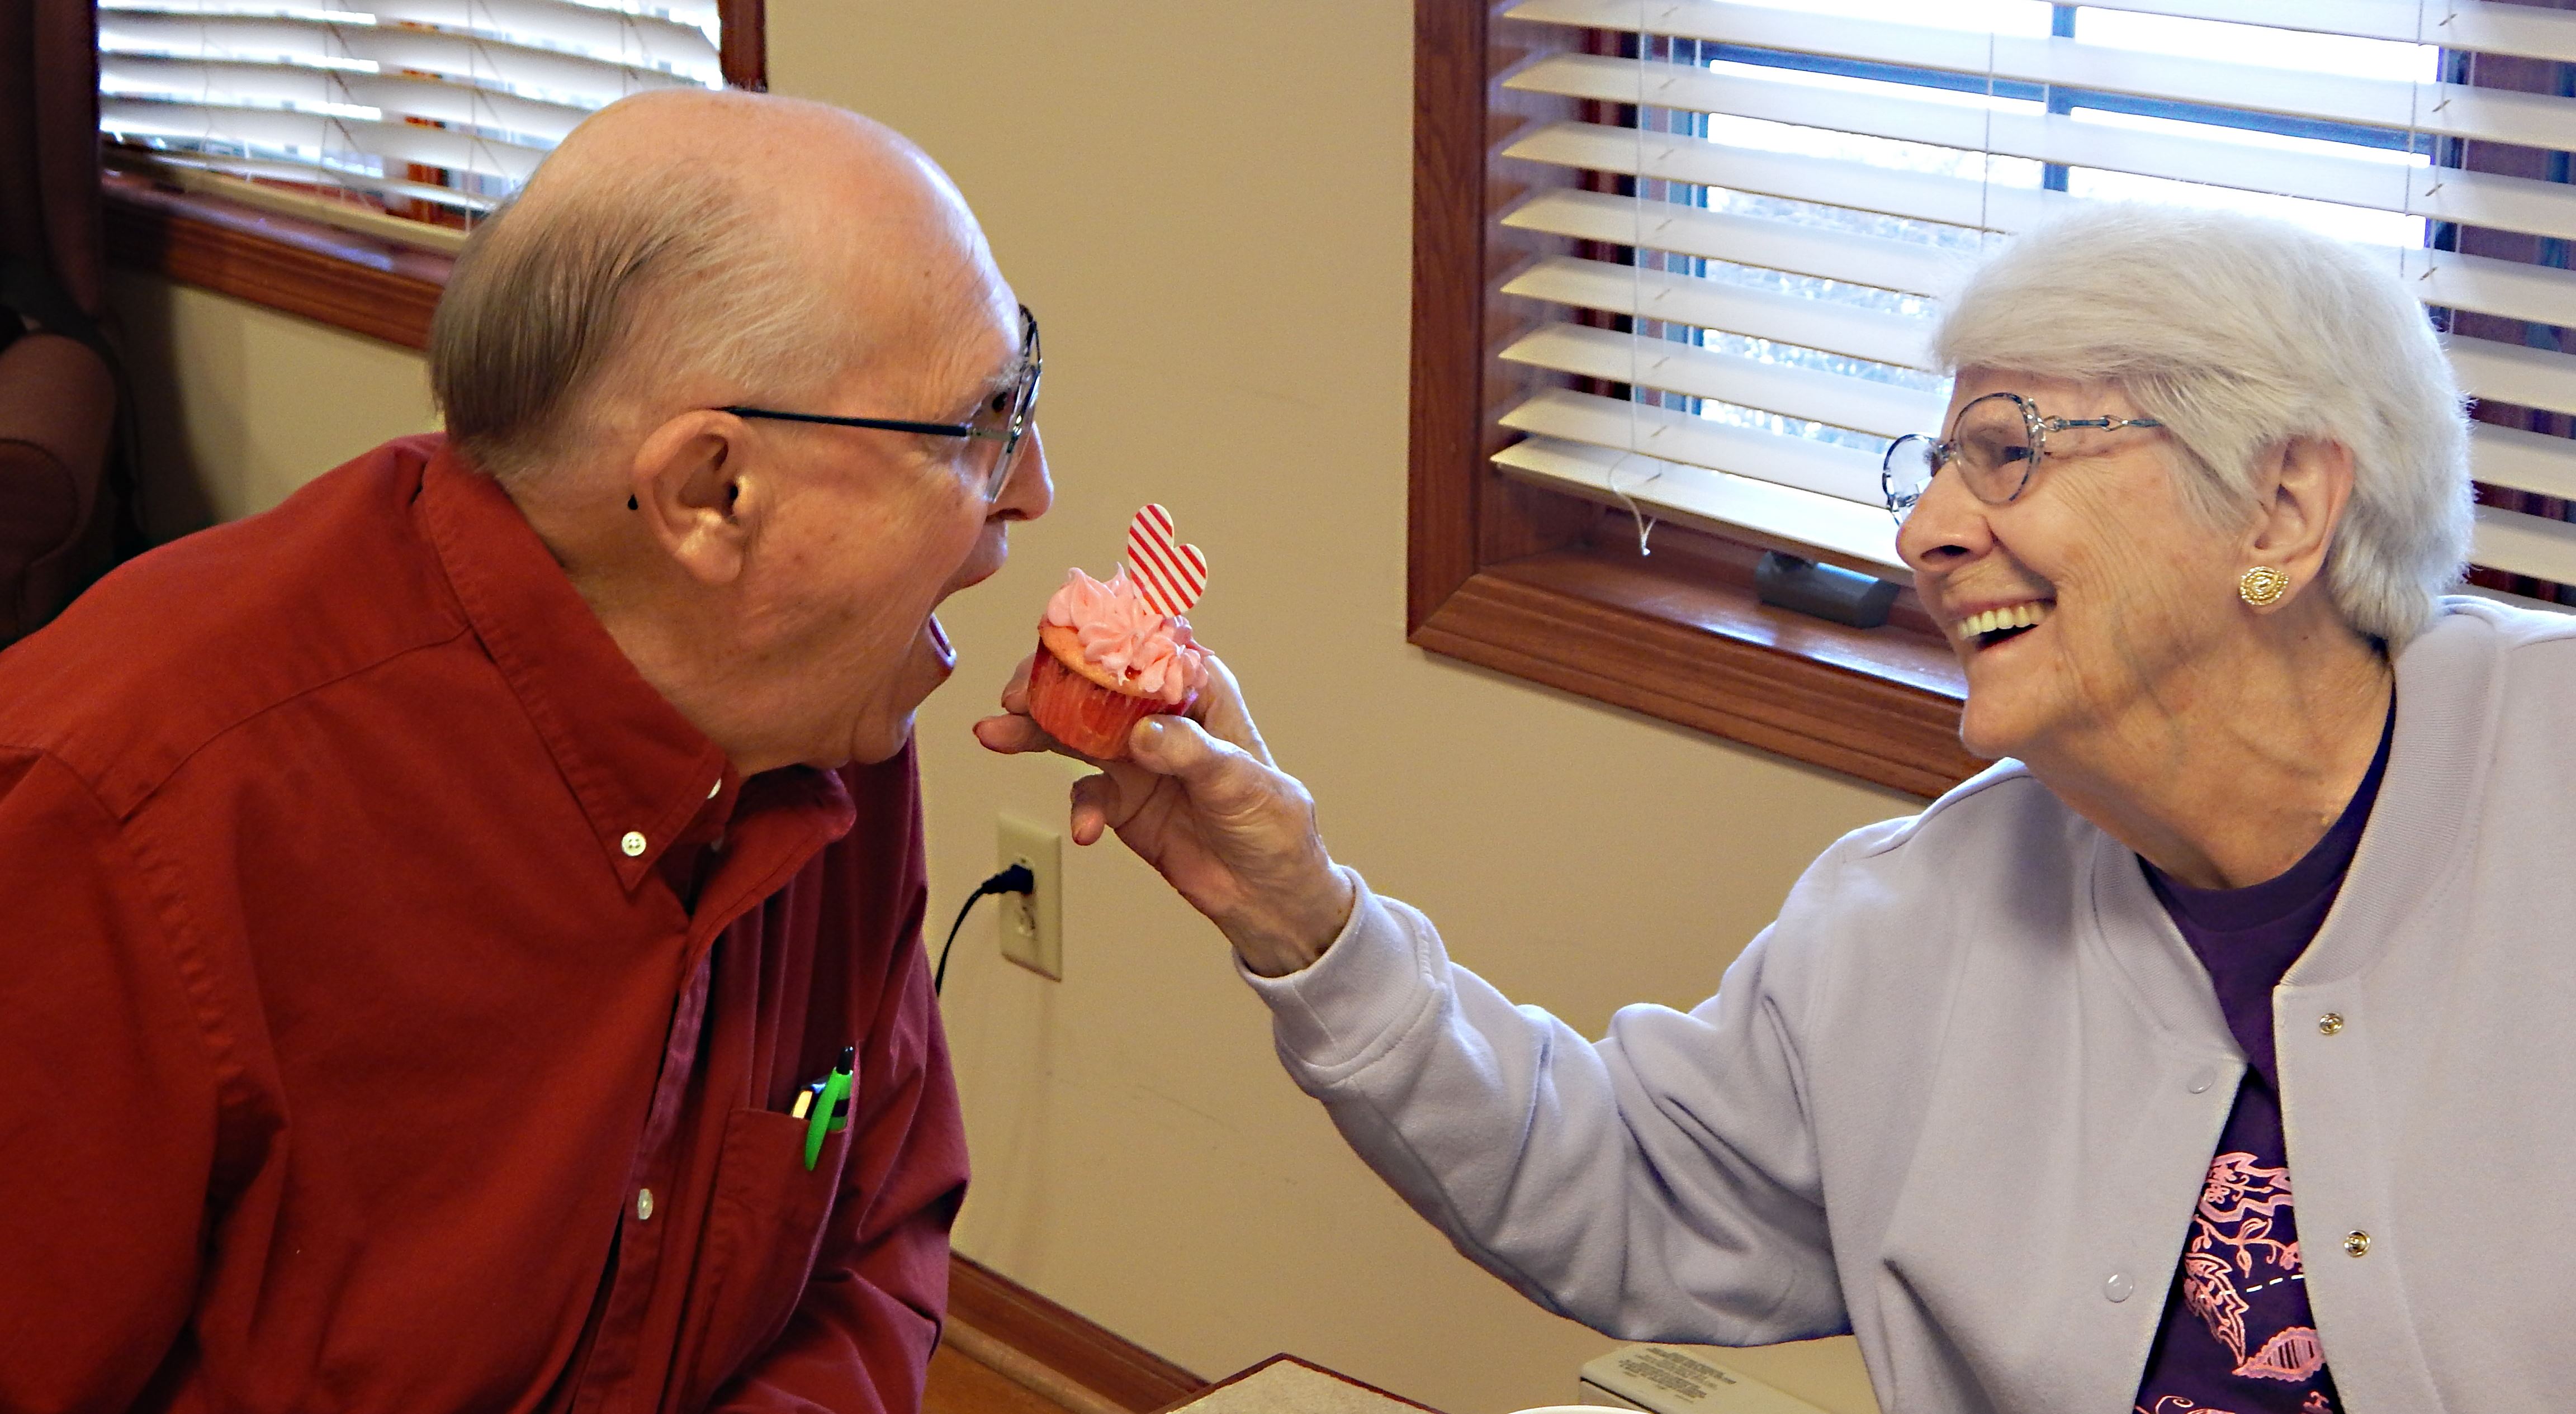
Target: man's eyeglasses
{"type": "Point", "coordinates": [1995, 444]}
{"type": "Point", "coordinates": [993, 434]}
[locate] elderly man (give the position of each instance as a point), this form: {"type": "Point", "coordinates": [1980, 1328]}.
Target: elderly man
{"type": "Point", "coordinates": [440, 912]}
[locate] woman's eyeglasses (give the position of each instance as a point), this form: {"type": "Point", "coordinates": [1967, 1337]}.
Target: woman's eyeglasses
{"type": "Point", "coordinates": [1994, 445]}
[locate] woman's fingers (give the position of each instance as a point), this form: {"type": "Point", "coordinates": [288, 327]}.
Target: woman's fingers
{"type": "Point", "coordinates": [1094, 798]}
{"type": "Point", "coordinates": [1268, 881]}
{"type": "Point", "coordinates": [1218, 773]}
{"type": "Point", "coordinates": [1220, 708]}
{"type": "Point", "coordinates": [1207, 809]}
{"type": "Point", "coordinates": [1013, 735]}
{"type": "Point", "coordinates": [1015, 693]}
{"type": "Point", "coordinates": [1013, 732]}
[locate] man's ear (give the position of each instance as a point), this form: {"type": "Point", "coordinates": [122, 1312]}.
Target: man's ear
{"type": "Point", "coordinates": [687, 481]}
{"type": "Point", "coordinates": [2307, 482]}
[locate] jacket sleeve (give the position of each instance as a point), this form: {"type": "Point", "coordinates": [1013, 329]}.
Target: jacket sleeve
{"type": "Point", "coordinates": [107, 1106]}
{"type": "Point", "coordinates": [1660, 1184]}
{"type": "Point", "coordinates": [861, 1337]}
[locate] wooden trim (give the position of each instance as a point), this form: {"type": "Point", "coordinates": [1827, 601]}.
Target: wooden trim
{"type": "Point", "coordinates": [371, 287]}
{"type": "Point", "coordinates": [1005, 1361]}
{"type": "Point", "coordinates": [1462, 516]}
{"type": "Point", "coordinates": [1083, 1352]}
{"type": "Point", "coordinates": [744, 52]}
{"type": "Point", "coordinates": [1516, 578]}
{"type": "Point", "coordinates": [1449, 145]}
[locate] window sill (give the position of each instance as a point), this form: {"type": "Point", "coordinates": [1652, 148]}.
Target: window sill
{"type": "Point", "coordinates": [1681, 636]}
{"type": "Point", "coordinates": [358, 283]}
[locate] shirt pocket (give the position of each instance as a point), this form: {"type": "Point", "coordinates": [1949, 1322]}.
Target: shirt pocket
{"type": "Point", "coordinates": [764, 1231]}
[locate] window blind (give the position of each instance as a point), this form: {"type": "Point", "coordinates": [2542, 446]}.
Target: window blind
{"type": "Point", "coordinates": [1773, 195]}
{"type": "Point", "coordinates": [433, 108]}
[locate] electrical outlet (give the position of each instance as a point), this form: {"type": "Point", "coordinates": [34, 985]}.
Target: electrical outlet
{"type": "Point", "coordinates": [1033, 923]}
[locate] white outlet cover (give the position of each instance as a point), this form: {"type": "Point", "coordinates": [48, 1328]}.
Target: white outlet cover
{"type": "Point", "coordinates": [1032, 927]}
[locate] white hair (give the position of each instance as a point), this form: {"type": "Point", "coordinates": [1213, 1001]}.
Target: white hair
{"type": "Point", "coordinates": [643, 278]}
{"type": "Point", "coordinates": [2241, 333]}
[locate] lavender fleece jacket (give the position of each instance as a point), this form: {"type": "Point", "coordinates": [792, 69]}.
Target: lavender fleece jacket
{"type": "Point", "coordinates": [1960, 1098]}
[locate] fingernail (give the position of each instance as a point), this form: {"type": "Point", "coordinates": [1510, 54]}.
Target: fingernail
{"type": "Point", "coordinates": [1154, 729]}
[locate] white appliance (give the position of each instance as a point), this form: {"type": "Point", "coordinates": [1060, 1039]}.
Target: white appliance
{"type": "Point", "coordinates": [1675, 1379]}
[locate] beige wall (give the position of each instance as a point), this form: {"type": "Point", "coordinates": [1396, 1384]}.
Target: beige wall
{"type": "Point", "coordinates": [241, 404]}
{"type": "Point", "coordinates": [1207, 203]}
{"type": "Point", "coordinates": [1209, 206]}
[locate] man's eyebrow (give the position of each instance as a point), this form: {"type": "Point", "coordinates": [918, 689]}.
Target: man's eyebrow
{"type": "Point", "coordinates": [1000, 381]}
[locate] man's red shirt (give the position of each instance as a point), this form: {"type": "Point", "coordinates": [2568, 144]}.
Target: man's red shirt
{"type": "Point", "coordinates": [373, 939]}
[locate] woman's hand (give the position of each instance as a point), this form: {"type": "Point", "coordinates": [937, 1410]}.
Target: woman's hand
{"type": "Point", "coordinates": [1201, 802]}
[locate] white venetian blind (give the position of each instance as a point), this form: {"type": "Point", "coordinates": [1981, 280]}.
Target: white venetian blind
{"type": "Point", "coordinates": [431, 108]}
{"type": "Point", "coordinates": [1797, 180]}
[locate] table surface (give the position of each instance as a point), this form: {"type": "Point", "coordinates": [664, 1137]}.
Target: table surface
{"type": "Point", "coordinates": [1284, 1384]}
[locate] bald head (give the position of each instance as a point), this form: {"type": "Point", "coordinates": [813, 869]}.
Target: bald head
{"type": "Point", "coordinates": [691, 248]}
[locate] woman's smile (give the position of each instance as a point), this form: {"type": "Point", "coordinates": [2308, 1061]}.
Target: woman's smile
{"type": "Point", "coordinates": [1988, 628]}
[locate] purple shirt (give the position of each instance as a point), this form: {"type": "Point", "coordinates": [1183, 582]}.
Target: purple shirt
{"type": "Point", "coordinates": [2237, 1336]}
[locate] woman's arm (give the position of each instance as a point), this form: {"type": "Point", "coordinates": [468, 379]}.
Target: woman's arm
{"type": "Point", "coordinates": [1661, 1183]}
{"type": "Point", "coordinates": [1658, 1184]}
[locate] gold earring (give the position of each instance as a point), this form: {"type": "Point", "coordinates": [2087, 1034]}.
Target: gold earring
{"type": "Point", "coordinates": [2262, 586]}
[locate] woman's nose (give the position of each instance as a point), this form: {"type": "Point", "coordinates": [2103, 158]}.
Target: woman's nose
{"type": "Point", "coordinates": [1946, 527]}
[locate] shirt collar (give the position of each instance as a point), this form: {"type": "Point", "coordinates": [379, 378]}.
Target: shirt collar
{"type": "Point", "coordinates": [641, 772]}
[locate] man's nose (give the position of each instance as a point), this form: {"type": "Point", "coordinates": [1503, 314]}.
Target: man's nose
{"type": "Point", "coordinates": [1946, 528]}
{"type": "Point", "coordinates": [1028, 491]}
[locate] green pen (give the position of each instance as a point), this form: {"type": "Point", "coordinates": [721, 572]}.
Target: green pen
{"type": "Point", "coordinates": [830, 1113]}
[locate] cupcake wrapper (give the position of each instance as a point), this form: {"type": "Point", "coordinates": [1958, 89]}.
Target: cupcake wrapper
{"type": "Point", "coordinates": [1082, 714]}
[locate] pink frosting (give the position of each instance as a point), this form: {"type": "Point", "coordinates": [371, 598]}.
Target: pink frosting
{"type": "Point", "coordinates": [1148, 650]}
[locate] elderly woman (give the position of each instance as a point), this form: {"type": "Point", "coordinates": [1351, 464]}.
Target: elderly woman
{"type": "Point", "coordinates": [2207, 1054]}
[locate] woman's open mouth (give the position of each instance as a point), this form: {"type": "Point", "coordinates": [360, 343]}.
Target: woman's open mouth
{"type": "Point", "coordinates": [1993, 626]}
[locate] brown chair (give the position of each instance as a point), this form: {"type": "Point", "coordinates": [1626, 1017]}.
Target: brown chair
{"type": "Point", "coordinates": [59, 524]}
{"type": "Point", "coordinates": [57, 406]}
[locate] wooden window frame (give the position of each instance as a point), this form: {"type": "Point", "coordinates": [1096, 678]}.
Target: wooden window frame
{"type": "Point", "coordinates": [379, 288]}
{"type": "Point", "coordinates": [1547, 587]}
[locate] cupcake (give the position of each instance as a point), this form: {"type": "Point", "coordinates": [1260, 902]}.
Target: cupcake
{"type": "Point", "coordinates": [1107, 659]}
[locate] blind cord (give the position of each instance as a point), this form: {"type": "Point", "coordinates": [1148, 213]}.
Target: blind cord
{"type": "Point", "coordinates": [1645, 43]}
{"type": "Point", "coordinates": [1015, 880]}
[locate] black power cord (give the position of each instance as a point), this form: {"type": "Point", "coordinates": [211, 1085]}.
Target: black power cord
{"type": "Point", "coordinates": [1015, 880]}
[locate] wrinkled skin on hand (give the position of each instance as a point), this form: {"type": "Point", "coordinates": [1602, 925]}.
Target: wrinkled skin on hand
{"type": "Point", "coordinates": [1201, 801]}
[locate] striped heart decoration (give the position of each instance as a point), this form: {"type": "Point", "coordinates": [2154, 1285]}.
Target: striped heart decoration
{"type": "Point", "coordinates": [1170, 575]}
